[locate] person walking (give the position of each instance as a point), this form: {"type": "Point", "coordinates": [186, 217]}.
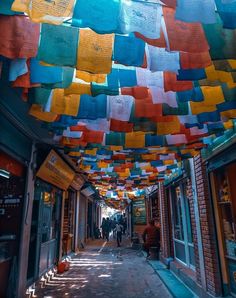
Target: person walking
{"type": "Point", "coordinates": [113, 227]}
{"type": "Point", "coordinates": [151, 237]}
{"type": "Point", "coordinates": [124, 223]}
{"type": "Point", "coordinates": [103, 227]}
{"type": "Point", "coordinates": [107, 228]}
{"type": "Point", "coordinates": [119, 229]}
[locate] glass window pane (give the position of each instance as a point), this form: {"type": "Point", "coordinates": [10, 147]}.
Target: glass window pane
{"type": "Point", "coordinates": [178, 217]}
{"type": "Point", "coordinates": [191, 256]}
{"type": "Point", "coordinates": [180, 251]}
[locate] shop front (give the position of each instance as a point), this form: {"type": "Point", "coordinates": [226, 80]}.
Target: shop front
{"type": "Point", "coordinates": [53, 179]}
{"type": "Point", "coordinates": [222, 172]}
{"type": "Point", "coordinates": [12, 193]}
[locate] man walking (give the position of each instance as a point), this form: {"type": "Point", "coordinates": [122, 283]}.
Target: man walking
{"type": "Point", "coordinates": [151, 237]}
{"type": "Point", "coordinates": [119, 229]}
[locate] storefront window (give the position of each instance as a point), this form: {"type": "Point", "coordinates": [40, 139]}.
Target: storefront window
{"type": "Point", "coordinates": [178, 228]}
{"type": "Point", "coordinates": [48, 217]}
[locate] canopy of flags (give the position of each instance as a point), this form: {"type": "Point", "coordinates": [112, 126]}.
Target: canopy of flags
{"type": "Point", "coordinates": [129, 88]}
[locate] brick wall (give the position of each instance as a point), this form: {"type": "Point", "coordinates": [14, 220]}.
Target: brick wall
{"type": "Point", "coordinates": [213, 280]}
{"type": "Point", "coordinates": [166, 235]}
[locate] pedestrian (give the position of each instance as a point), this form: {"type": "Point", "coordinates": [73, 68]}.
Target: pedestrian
{"type": "Point", "coordinates": [113, 226]}
{"type": "Point", "coordinates": [119, 229]}
{"type": "Point", "coordinates": [151, 237]}
{"type": "Point", "coordinates": [107, 228]}
{"type": "Point", "coordinates": [103, 227]}
{"type": "Point", "coordinates": [124, 223]}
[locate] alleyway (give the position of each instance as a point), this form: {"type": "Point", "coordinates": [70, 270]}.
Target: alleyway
{"type": "Point", "coordinates": [102, 270]}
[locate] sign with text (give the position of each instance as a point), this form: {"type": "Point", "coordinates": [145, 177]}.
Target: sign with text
{"type": "Point", "coordinates": [55, 171]}
{"type": "Point", "coordinates": [78, 182]}
{"type": "Point", "coordinates": [139, 212]}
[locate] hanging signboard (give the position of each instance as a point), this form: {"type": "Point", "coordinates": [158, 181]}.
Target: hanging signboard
{"type": "Point", "coordinates": [55, 171]}
{"type": "Point", "coordinates": [139, 212]}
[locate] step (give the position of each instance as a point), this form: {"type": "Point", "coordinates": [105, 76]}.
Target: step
{"type": "Point", "coordinates": [173, 284]}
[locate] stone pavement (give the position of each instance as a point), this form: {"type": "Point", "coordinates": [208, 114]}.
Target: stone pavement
{"type": "Point", "coordinates": [103, 270]}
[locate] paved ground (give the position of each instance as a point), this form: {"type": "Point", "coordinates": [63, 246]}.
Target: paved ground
{"type": "Point", "coordinates": [103, 270]}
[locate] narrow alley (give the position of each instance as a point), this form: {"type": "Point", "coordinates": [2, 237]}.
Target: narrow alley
{"type": "Point", "coordinates": [103, 270]}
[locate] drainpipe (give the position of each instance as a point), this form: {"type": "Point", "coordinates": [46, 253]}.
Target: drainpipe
{"type": "Point", "coordinates": [198, 226]}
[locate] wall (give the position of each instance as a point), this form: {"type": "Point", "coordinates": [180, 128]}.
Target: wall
{"type": "Point", "coordinates": [213, 280]}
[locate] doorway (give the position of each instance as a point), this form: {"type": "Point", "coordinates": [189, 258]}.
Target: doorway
{"type": "Point", "coordinates": [182, 227]}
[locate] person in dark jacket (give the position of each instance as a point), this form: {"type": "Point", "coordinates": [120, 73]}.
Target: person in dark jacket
{"type": "Point", "coordinates": [151, 237]}
{"type": "Point", "coordinates": [103, 226]}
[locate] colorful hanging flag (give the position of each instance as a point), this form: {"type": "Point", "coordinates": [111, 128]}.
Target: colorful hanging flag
{"type": "Point", "coordinates": [142, 17]}
{"type": "Point", "coordinates": [53, 12]}
{"type": "Point", "coordinates": [101, 16]}
{"type": "Point", "coordinates": [200, 11]}
{"type": "Point", "coordinates": [128, 50]}
{"type": "Point", "coordinates": [162, 60]}
{"type": "Point", "coordinates": [185, 37]}
{"type": "Point", "coordinates": [58, 45]}
{"type": "Point", "coordinates": [18, 37]}
{"type": "Point", "coordinates": [94, 52]}
{"type": "Point", "coordinates": [120, 107]}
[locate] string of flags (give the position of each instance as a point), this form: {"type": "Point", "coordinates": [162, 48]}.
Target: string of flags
{"type": "Point", "coordinates": [129, 88]}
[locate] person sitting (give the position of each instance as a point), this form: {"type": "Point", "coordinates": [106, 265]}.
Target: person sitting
{"type": "Point", "coordinates": [151, 237]}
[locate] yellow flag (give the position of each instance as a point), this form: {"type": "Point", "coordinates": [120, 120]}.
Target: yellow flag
{"type": "Point", "coordinates": [78, 88]}
{"type": "Point", "coordinates": [90, 77]}
{"type": "Point", "coordinates": [168, 162]}
{"type": "Point", "coordinates": [37, 112]}
{"type": "Point", "coordinates": [102, 164]}
{"type": "Point", "coordinates": [135, 140]}
{"type": "Point", "coordinates": [116, 148]}
{"type": "Point", "coordinates": [67, 105]}
{"type": "Point", "coordinates": [91, 151]}
{"type": "Point", "coordinates": [21, 5]}
{"type": "Point", "coordinates": [232, 63]}
{"type": "Point", "coordinates": [229, 124]}
{"type": "Point", "coordinates": [228, 114]}
{"type": "Point", "coordinates": [166, 128]}
{"type": "Point", "coordinates": [212, 95]}
{"type": "Point", "coordinates": [74, 154]}
{"type": "Point", "coordinates": [53, 12]}
{"type": "Point", "coordinates": [95, 52]}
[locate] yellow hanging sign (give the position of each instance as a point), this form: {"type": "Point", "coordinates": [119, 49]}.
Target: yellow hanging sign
{"type": "Point", "coordinates": [55, 171]}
